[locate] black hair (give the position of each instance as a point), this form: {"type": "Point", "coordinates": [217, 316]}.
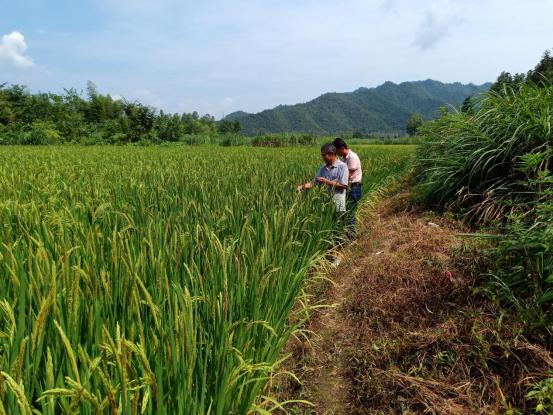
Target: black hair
{"type": "Point", "coordinates": [340, 143]}
{"type": "Point", "coordinates": [328, 148]}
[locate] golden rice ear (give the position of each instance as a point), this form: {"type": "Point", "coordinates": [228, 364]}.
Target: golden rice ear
{"type": "Point", "coordinates": [156, 279]}
{"type": "Point", "coordinates": [19, 391]}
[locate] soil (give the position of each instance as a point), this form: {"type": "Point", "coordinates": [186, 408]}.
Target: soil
{"type": "Point", "coordinates": [407, 330]}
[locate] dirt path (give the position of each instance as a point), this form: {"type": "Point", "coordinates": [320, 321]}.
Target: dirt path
{"type": "Point", "coordinates": [405, 333]}
{"type": "Point", "coordinates": [396, 243]}
{"type": "Point", "coordinates": [328, 389]}
{"type": "Point", "coordinates": [386, 265]}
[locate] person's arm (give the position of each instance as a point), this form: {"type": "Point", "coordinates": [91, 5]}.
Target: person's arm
{"type": "Point", "coordinates": [338, 184]}
{"type": "Point", "coordinates": [310, 184]}
{"type": "Point", "coordinates": [344, 179]}
{"type": "Point", "coordinates": [307, 185]}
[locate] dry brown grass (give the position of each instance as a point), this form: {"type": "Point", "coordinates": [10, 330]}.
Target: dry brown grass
{"type": "Point", "coordinates": [409, 334]}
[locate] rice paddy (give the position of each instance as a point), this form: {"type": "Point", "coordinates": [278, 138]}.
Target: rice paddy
{"type": "Point", "coordinates": [157, 280]}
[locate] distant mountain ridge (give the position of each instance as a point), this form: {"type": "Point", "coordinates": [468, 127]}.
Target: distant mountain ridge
{"type": "Point", "coordinates": [384, 109]}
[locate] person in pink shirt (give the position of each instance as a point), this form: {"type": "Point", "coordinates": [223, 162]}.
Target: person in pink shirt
{"type": "Point", "coordinates": [355, 176]}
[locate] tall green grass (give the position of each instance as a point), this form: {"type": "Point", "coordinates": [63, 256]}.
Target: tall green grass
{"type": "Point", "coordinates": [155, 280]}
{"type": "Point", "coordinates": [493, 165]}
{"type": "Point", "coordinates": [489, 162]}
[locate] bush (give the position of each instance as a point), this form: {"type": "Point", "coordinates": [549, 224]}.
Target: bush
{"type": "Point", "coordinates": [93, 138]}
{"type": "Point", "coordinates": [38, 133]}
{"type": "Point", "coordinates": [196, 140]}
{"type": "Point", "coordinates": [493, 166]}
{"type": "Point", "coordinates": [485, 163]}
{"type": "Point", "coordinates": [285, 140]}
{"type": "Point", "coordinates": [118, 138]}
{"type": "Point", "coordinates": [232, 140]}
{"type": "Point", "coordinates": [414, 122]}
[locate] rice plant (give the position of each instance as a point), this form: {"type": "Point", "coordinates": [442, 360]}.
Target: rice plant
{"type": "Point", "coordinates": [155, 280]}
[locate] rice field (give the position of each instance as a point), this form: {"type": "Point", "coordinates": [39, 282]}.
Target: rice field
{"type": "Point", "coordinates": [156, 280]}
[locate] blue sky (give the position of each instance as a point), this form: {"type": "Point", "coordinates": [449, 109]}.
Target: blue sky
{"type": "Point", "coordinates": [221, 56]}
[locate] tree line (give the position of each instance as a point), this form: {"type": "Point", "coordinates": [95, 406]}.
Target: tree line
{"type": "Point", "coordinates": [94, 118]}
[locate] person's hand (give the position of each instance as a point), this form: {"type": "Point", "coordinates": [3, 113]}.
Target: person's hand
{"type": "Point", "coordinates": [323, 180]}
{"type": "Point", "coordinates": [307, 185]}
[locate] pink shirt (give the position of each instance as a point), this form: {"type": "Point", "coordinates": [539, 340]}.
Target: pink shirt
{"type": "Point", "coordinates": [354, 167]}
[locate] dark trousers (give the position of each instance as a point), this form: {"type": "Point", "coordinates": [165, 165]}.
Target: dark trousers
{"type": "Point", "coordinates": [354, 196]}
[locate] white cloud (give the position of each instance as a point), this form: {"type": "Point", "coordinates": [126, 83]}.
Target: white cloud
{"type": "Point", "coordinates": [13, 51]}
{"type": "Point", "coordinates": [440, 18]}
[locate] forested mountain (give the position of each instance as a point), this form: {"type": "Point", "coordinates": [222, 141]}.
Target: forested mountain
{"type": "Point", "coordinates": [384, 109]}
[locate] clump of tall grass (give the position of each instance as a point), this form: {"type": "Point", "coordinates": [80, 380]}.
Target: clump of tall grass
{"type": "Point", "coordinates": [284, 140]}
{"type": "Point", "coordinates": [268, 140]}
{"type": "Point", "coordinates": [234, 140]}
{"type": "Point", "coordinates": [523, 256]}
{"type": "Point", "coordinates": [493, 165]}
{"type": "Point", "coordinates": [486, 163]}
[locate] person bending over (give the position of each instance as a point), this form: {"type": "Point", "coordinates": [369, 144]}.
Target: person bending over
{"type": "Point", "coordinates": [333, 174]}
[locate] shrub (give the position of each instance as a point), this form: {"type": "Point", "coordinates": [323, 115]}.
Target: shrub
{"type": "Point", "coordinates": [38, 133]}
{"type": "Point", "coordinates": [482, 162]}
{"type": "Point", "coordinates": [524, 261]}
{"type": "Point", "coordinates": [493, 166]}
{"type": "Point", "coordinates": [284, 140]}
{"type": "Point", "coordinates": [232, 140]}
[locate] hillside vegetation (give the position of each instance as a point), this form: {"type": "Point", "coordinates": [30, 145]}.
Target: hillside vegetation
{"type": "Point", "coordinates": [381, 110]}
{"type": "Point", "coordinates": [93, 118]}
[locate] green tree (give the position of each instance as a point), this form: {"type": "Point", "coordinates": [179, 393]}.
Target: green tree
{"type": "Point", "coordinates": [543, 72]}
{"type": "Point", "coordinates": [90, 118]}
{"type": "Point", "coordinates": [413, 123]}
{"type": "Point", "coordinates": [6, 113]}
{"type": "Point", "coordinates": [468, 105]}
{"type": "Point", "coordinates": [138, 121]}
{"type": "Point", "coordinates": [168, 127]}
{"type": "Point", "coordinates": [229, 127]}
{"type": "Point", "coordinates": [504, 79]}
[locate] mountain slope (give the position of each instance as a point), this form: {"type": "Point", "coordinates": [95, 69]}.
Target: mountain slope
{"type": "Point", "coordinates": [384, 109]}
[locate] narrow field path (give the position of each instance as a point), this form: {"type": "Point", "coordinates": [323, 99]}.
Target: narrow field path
{"type": "Point", "coordinates": [402, 326]}
{"type": "Point", "coordinates": [386, 277]}
{"type": "Point", "coordinates": [325, 369]}
{"type": "Point", "coordinates": [328, 387]}
{"type": "Point", "coordinates": [406, 331]}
